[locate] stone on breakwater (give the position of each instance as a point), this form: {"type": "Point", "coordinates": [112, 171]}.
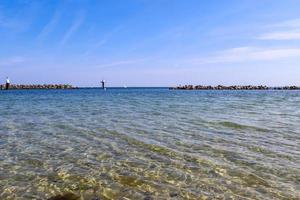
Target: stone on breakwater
{"type": "Point", "coordinates": [233, 87]}
{"type": "Point", "coordinates": [39, 86]}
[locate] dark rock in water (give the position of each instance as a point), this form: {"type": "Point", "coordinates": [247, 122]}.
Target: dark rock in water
{"type": "Point", "coordinates": [95, 198]}
{"type": "Point", "coordinates": [148, 198]}
{"type": "Point", "coordinates": [68, 196]}
{"type": "Point", "coordinates": [152, 166]}
{"type": "Point", "coordinates": [173, 194]}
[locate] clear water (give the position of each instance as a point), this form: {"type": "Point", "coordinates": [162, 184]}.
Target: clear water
{"type": "Point", "coordinates": [150, 144]}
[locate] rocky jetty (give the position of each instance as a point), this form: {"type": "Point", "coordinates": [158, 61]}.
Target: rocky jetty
{"type": "Point", "coordinates": [44, 86]}
{"type": "Point", "coordinates": [233, 87]}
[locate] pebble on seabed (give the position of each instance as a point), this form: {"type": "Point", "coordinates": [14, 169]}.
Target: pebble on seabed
{"type": "Point", "coordinates": [68, 196]}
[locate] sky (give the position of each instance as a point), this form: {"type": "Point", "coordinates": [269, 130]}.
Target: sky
{"type": "Point", "coordinates": [150, 42]}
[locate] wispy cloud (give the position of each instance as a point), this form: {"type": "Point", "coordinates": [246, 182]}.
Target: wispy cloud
{"type": "Point", "coordinates": [73, 28]}
{"type": "Point", "coordinates": [120, 63]}
{"type": "Point", "coordinates": [11, 61]}
{"type": "Point", "coordinates": [106, 37]}
{"type": "Point", "coordinates": [5, 23]}
{"type": "Point", "coordinates": [95, 46]}
{"type": "Point", "coordinates": [292, 23]}
{"type": "Point", "coordinates": [248, 54]}
{"type": "Point", "coordinates": [22, 17]}
{"type": "Point", "coordinates": [12, 23]}
{"type": "Point", "coordinates": [285, 35]}
{"type": "Point", "coordinates": [49, 27]}
{"type": "Point", "coordinates": [285, 30]}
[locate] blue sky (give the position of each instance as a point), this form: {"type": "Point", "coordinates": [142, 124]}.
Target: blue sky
{"type": "Point", "coordinates": [150, 42]}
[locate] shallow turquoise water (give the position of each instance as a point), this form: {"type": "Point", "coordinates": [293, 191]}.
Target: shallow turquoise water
{"type": "Point", "coordinates": [150, 144]}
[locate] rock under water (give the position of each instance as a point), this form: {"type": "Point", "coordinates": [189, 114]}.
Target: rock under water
{"type": "Point", "coordinates": [67, 196]}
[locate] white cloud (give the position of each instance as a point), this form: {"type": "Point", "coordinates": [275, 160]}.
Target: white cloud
{"type": "Point", "coordinates": [51, 25]}
{"type": "Point", "coordinates": [248, 54]}
{"type": "Point", "coordinates": [13, 23]}
{"type": "Point", "coordinates": [96, 45]}
{"type": "Point", "coordinates": [286, 30]}
{"type": "Point", "coordinates": [11, 61]}
{"type": "Point", "coordinates": [292, 23]}
{"type": "Point", "coordinates": [120, 63]}
{"type": "Point", "coordinates": [73, 28]}
{"type": "Point", "coordinates": [286, 35]}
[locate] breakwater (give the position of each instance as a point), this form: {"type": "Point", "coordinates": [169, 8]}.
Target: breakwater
{"type": "Point", "coordinates": [39, 86]}
{"type": "Point", "coordinates": [233, 87]}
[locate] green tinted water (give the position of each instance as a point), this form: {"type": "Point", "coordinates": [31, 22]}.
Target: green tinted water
{"type": "Point", "coordinates": [149, 144]}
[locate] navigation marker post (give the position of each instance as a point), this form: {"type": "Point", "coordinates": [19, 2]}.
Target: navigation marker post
{"type": "Point", "coordinates": [103, 84]}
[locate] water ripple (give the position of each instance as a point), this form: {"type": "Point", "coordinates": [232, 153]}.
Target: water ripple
{"type": "Point", "coordinates": [149, 144]}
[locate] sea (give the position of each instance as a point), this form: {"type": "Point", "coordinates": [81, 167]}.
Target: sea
{"type": "Point", "coordinates": [149, 143]}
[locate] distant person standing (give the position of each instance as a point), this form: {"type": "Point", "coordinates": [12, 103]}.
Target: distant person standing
{"type": "Point", "coordinates": [7, 83]}
{"type": "Point", "coordinates": [103, 84]}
